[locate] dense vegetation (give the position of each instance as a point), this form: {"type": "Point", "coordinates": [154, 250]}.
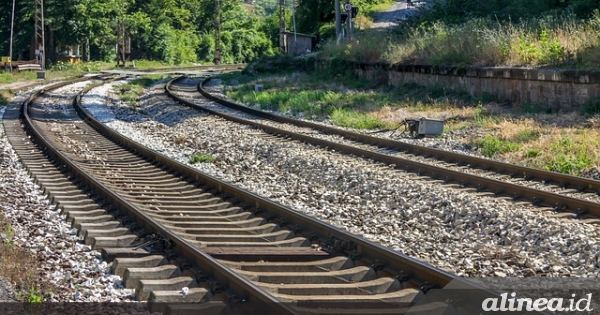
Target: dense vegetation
{"type": "Point", "coordinates": [511, 32]}
{"type": "Point", "coordinates": [562, 33]}
{"type": "Point", "coordinates": [172, 31]}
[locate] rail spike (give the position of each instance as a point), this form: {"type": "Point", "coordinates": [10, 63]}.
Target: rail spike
{"type": "Point", "coordinates": [377, 265]}
{"type": "Point", "coordinates": [216, 288]}
{"type": "Point", "coordinates": [355, 255]}
{"type": "Point", "coordinates": [404, 276]}
{"type": "Point", "coordinates": [200, 277]}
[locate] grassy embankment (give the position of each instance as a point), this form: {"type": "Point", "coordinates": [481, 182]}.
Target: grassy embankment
{"type": "Point", "coordinates": [562, 142]}
{"type": "Point", "coordinates": [527, 136]}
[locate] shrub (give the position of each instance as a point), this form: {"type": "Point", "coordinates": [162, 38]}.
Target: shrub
{"type": "Point", "coordinates": [201, 158]}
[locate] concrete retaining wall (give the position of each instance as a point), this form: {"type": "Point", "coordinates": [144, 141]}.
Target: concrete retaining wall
{"type": "Point", "coordinates": [556, 90]}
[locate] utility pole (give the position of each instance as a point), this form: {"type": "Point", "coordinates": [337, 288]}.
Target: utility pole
{"type": "Point", "coordinates": [124, 47]}
{"type": "Point", "coordinates": [40, 52]}
{"type": "Point", "coordinates": [338, 21]}
{"type": "Point", "coordinates": [12, 27]}
{"type": "Point", "coordinates": [218, 37]}
{"type": "Point", "coordinates": [122, 41]}
{"type": "Point", "coordinates": [282, 25]}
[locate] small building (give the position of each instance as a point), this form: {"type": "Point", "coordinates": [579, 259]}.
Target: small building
{"type": "Point", "coordinates": [69, 54]}
{"type": "Point", "coordinates": [296, 44]}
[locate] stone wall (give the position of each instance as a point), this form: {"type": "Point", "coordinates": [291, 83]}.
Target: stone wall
{"type": "Point", "coordinates": [549, 89]}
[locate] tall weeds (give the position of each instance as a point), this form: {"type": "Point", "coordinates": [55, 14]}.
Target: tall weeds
{"type": "Point", "coordinates": [560, 41]}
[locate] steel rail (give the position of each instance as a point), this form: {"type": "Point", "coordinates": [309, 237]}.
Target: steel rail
{"type": "Point", "coordinates": [423, 272]}
{"type": "Point", "coordinates": [576, 182]}
{"type": "Point", "coordinates": [201, 67]}
{"type": "Point", "coordinates": [535, 196]}
{"type": "Point", "coordinates": [223, 274]}
{"type": "Point", "coordinates": [418, 271]}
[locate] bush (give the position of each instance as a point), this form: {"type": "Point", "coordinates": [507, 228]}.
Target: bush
{"type": "Point", "coordinates": [201, 158]}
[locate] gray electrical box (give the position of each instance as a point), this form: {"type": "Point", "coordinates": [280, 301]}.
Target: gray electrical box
{"type": "Point", "coordinates": [430, 127]}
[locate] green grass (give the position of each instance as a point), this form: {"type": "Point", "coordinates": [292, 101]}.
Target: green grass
{"type": "Point", "coordinates": [492, 145]}
{"type": "Point", "coordinates": [341, 96]}
{"type": "Point", "coordinates": [34, 297]}
{"type": "Point", "coordinates": [7, 78]}
{"type": "Point", "coordinates": [130, 92]}
{"type": "Point", "coordinates": [527, 136]}
{"type": "Point", "coordinates": [309, 102]}
{"type": "Point", "coordinates": [202, 158]}
{"type": "Point", "coordinates": [353, 119]}
{"type": "Point", "coordinates": [571, 156]}
{"type": "Point", "coordinates": [532, 153]}
{"type": "Point", "coordinates": [483, 118]}
{"type": "Point", "coordinates": [557, 40]}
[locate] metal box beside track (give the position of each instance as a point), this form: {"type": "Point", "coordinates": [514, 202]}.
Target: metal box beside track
{"type": "Point", "coordinates": [430, 127]}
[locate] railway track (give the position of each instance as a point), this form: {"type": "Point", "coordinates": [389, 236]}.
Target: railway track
{"type": "Point", "coordinates": [571, 196]}
{"type": "Point", "coordinates": [188, 242]}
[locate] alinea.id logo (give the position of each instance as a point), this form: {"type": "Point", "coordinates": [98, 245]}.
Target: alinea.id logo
{"type": "Point", "coordinates": [504, 303]}
{"type": "Point", "coordinates": [515, 296]}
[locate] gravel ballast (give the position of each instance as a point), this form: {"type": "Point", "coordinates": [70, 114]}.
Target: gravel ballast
{"type": "Point", "coordinates": [461, 232]}
{"type": "Point", "coordinates": [71, 271]}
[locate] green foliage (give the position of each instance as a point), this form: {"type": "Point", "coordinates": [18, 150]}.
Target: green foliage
{"type": "Point", "coordinates": [527, 136]}
{"type": "Point", "coordinates": [92, 66]}
{"type": "Point", "coordinates": [541, 50]}
{"type": "Point", "coordinates": [174, 32]}
{"type": "Point", "coordinates": [33, 297]}
{"type": "Point", "coordinates": [326, 30]}
{"type": "Point", "coordinates": [8, 231]}
{"type": "Point", "coordinates": [130, 92]}
{"type": "Point", "coordinates": [482, 118]}
{"type": "Point", "coordinates": [353, 119]}
{"type": "Point", "coordinates": [177, 46]}
{"type": "Point", "coordinates": [311, 15]}
{"type": "Point", "coordinates": [201, 158]}
{"type": "Point", "coordinates": [492, 145]}
{"type": "Point", "coordinates": [6, 77]}
{"type": "Point", "coordinates": [570, 156]}
{"type": "Point", "coordinates": [532, 153]}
